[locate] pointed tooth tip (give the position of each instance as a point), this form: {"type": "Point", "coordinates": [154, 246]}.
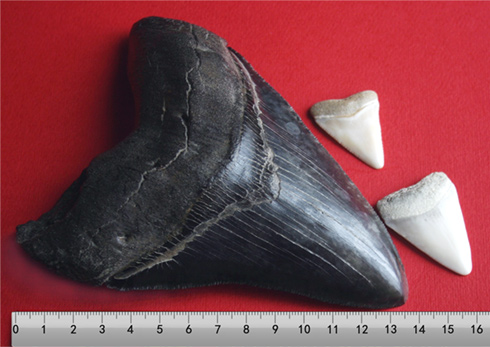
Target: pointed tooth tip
{"type": "Point", "coordinates": [395, 293]}
{"type": "Point", "coordinates": [428, 215]}
{"type": "Point", "coordinates": [376, 162]}
{"type": "Point", "coordinates": [464, 269]}
{"type": "Point", "coordinates": [402, 294]}
{"type": "Point", "coordinates": [354, 123]}
{"type": "Point", "coordinates": [398, 293]}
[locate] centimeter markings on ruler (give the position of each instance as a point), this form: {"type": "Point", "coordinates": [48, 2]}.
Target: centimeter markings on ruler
{"type": "Point", "coordinates": [250, 329]}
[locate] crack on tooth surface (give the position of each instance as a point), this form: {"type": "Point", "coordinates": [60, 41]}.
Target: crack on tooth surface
{"type": "Point", "coordinates": [262, 186]}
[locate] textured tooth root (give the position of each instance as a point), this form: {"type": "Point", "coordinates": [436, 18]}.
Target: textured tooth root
{"type": "Point", "coordinates": [354, 123]}
{"type": "Point", "coordinates": [428, 215]}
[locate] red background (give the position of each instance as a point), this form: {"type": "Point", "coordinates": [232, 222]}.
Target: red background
{"type": "Point", "coordinates": [66, 98]}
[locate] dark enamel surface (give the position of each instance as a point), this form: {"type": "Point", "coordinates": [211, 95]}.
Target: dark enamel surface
{"type": "Point", "coordinates": [220, 183]}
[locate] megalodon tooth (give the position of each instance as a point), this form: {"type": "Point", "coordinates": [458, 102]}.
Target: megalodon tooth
{"type": "Point", "coordinates": [220, 183]}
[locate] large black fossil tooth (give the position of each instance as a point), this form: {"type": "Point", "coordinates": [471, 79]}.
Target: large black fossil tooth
{"type": "Point", "coordinates": [220, 183]}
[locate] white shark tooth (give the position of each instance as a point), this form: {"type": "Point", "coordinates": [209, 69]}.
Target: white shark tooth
{"type": "Point", "coordinates": [354, 123]}
{"type": "Point", "coordinates": [428, 215]}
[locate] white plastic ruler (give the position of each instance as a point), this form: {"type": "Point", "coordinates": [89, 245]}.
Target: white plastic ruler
{"type": "Point", "coordinates": [250, 329]}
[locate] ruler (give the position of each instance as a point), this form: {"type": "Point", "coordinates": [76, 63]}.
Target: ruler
{"type": "Point", "coordinates": [250, 329]}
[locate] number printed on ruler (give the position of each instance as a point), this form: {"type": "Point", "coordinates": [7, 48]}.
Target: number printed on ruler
{"type": "Point", "coordinates": [250, 328]}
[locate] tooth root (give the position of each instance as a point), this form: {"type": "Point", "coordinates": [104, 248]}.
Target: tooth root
{"type": "Point", "coordinates": [354, 123]}
{"type": "Point", "coordinates": [428, 215]}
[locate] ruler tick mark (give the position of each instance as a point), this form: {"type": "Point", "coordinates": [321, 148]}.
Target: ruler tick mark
{"type": "Point", "coordinates": [260, 319]}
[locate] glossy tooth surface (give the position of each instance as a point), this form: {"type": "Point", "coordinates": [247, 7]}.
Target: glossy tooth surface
{"type": "Point", "coordinates": [354, 123]}
{"type": "Point", "coordinates": [428, 215]}
{"type": "Point", "coordinates": [220, 183]}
